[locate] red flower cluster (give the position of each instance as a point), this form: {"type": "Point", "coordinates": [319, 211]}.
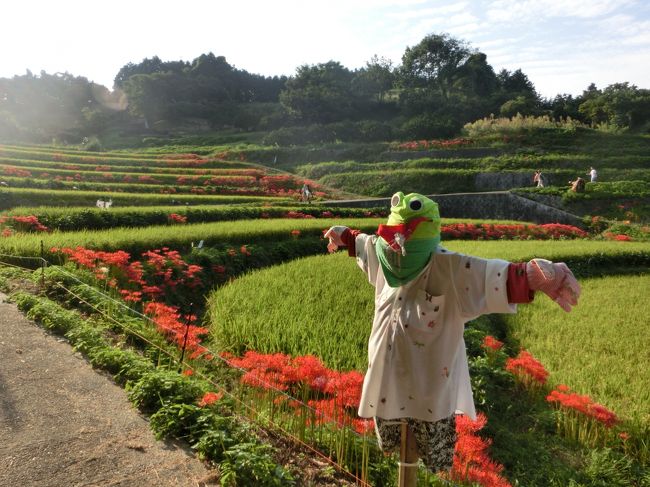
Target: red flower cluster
{"type": "Point", "coordinates": [486, 231]}
{"type": "Point", "coordinates": [28, 223]}
{"type": "Point", "coordinates": [170, 323]}
{"type": "Point", "coordinates": [491, 343]}
{"type": "Point", "coordinates": [297, 215]}
{"type": "Point", "coordinates": [342, 390]}
{"type": "Point", "coordinates": [210, 398]}
{"type": "Point", "coordinates": [567, 400]}
{"type": "Point", "coordinates": [176, 218]}
{"type": "Point", "coordinates": [527, 369]}
{"type": "Point", "coordinates": [617, 237]}
{"type": "Point", "coordinates": [433, 144]}
{"type": "Point", "coordinates": [471, 460]}
{"type": "Point", "coordinates": [15, 171]}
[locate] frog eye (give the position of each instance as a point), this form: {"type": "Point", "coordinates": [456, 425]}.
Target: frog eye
{"type": "Point", "coordinates": [415, 205]}
{"type": "Point", "coordinates": [395, 200]}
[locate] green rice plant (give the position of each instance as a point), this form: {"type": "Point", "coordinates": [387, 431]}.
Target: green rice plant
{"type": "Point", "coordinates": [80, 218]}
{"type": "Point", "coordinates": [176, 177]}
{"type": "Point", "coordinates": [14, 197]}
{"type": "Point", "coordinates": [158, 167]}
{"type": "Point", "coordinates": [180, 237]}
{"type": "Point", "coordinates": [599, 348]}
{"type": "Point", "coordinates": [382, 183]}
{"type": "Point", "coordinates": [326, 306]}
{"type": "Point", "coordinates": [324, 310]}
{"type": "Point", "coordinates": [120, 187]}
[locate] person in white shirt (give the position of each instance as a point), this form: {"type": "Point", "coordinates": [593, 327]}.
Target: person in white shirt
{"type": "Point", "coordinates": [593, 174]}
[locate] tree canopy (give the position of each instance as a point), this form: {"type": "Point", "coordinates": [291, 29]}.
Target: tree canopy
{"type": "Point", "coordinates": [441, 84]}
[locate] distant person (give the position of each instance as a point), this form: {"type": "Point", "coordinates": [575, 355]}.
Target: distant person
{"type": "Point", "coordinates": [578, 186]}
{"type": "Point", "coordinates": [305, 193]}
{"type": "Point", "coordinates": [593, 174]}
{"type": "Point", "coordinates": [538, 179]}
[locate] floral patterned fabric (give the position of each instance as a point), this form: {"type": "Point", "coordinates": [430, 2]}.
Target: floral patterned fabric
{"type": "Point", "coordinates": [435, 440]}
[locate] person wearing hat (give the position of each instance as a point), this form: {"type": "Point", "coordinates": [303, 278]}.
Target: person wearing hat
{"type": "Point", "coordinates": [424, 294]}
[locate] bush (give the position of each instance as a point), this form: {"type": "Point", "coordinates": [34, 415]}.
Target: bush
{"type": "Point", "coordinates": [517, 124]}
{"type": "Point", "coordinates": [161, 387]}
{"type": "Point", "coordinates": [429, 126]}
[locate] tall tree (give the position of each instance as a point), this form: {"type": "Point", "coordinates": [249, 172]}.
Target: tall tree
{"type": "Point", "coordinates": [375, 78]}
{"type": "Point", "coordinates": [319, 93]}
{"type": "Point", "coordinates": [434, 63]}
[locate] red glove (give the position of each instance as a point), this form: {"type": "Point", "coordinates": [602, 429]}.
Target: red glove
{"type": "Point", "coordinates": [555, 280]}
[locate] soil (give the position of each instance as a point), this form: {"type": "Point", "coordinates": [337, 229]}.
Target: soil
{"type": "Point", "coordinates": [62, 423]}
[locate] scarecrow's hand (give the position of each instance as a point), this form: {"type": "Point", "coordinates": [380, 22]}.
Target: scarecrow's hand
{"type": "Point", "coordinates": [335, 235]}
{"type": "Point", "coordinates": [555, 280]}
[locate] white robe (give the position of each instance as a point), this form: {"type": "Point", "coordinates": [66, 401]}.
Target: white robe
{"type": "Point", "coordinates": [417, 364]}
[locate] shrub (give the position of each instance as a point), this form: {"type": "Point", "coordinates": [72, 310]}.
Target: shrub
{"type": "Point", "coordinates": [161, 387]}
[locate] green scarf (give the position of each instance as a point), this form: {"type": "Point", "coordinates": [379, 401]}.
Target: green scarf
{"type": "Point", "coordinates": [400, 269]}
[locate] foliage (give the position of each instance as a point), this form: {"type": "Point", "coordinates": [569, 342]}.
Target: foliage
{"type": "Point", "coordinates": [518, 123]}
{"type": "Point", "coordinates": [594, 339]}
{"type": "Point", "coordinates": [15, 197]}
{"type": "Point", "coordinates": [179, 237]}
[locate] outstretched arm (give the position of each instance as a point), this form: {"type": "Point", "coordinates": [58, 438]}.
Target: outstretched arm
{"type": "Point", "coordinates": [341, 236]}
{"type": "Point", "coordinates": [555, 280]}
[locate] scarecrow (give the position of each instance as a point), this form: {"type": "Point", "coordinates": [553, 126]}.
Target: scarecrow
{"type": "Point", "coordinates": [418, 378]}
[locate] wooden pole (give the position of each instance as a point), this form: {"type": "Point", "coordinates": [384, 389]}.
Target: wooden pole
{"type": "Point", "coordinates": [408, 457]}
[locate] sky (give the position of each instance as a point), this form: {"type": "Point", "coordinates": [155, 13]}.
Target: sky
{"type": "Point", "coordinates": [562, 45]}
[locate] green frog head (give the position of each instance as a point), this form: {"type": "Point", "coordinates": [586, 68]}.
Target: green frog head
{"type": "Point", "coordinates": [405, 209]}
{"type": "Point", "coordinates": [408, 239]}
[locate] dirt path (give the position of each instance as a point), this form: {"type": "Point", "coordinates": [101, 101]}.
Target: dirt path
{"type": "Point", "coordinates": [64, 424]}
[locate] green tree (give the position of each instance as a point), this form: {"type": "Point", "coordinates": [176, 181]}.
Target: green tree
{"type": "Point", "coordinates": [320, 93]}
{"type": "Point", "coordinates": [147, 66]}
{"type": "Point", "coordinates": [620, 104]}
{"type": "Point", "coordinates": [376, 78]}
{"type": "Point", "coordinates": [434, 64]}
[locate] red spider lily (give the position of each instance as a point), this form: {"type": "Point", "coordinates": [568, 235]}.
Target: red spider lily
{"type": "Point", "coordinates": [28, 223]}
{"type": "Point", "coordinates": [471, 459]}
{"type": "Point", "coordinates": [527, 369]}
{"type": "Point", "coordinates": [7, 232]}
{"type": "Point", "coordinates": [567, 400]}
{"type": "Point", "coordinates": [244, 250]}
{"type": "Point", "coordinates": [188, 372]}
{"type": "Point", "coordinates": [176, 218]}
{"type": "Point", "coordinates": [131, 296]}
{"type": "Point", "coordinates": [210, 398]}
{"type": "Point", "coordinates": [168, 321]}
{"type": "Point", "coordinates": [278, 371]}
{"type": "Point", "coordinates": [363, 426]}
{"type": "Point", "coordinates": [486, 231]}
{"type": "Point", "coordinates": [311, 371]}
{"type": "Point", "coordinates": [295, 233]}
{"type": "Point", "coordinates": [297, 214]}
{"type": "Point", "coordinates": [492, 343]}
{"type": "Point", "coordinates": [346, 386]}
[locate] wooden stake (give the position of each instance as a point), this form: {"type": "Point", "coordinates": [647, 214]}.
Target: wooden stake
{"type": "Point", "coordinates": [408, 454]}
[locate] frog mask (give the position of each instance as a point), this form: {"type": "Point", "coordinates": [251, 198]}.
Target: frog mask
{"type": "Point", "coordinates": [409, 237]}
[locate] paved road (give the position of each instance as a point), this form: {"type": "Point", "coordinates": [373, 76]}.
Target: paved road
{"type": "Point", "coordinates": [64, 424]}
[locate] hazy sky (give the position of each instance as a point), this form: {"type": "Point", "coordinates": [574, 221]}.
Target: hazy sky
{"type": "Point", "coordinates": [562, 45]}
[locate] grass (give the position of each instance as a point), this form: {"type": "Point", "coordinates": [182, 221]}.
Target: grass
{"type": "Point", "coordinates": [14, 197]}
{"type": "Point", "coordinates": [177, 237]}
{"type": "Point", "coordinates": [325, 309]}
{"type": "Point", "coordinates": [600, 348]}
{"type": "Point", "coordinates": [326, 305]}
